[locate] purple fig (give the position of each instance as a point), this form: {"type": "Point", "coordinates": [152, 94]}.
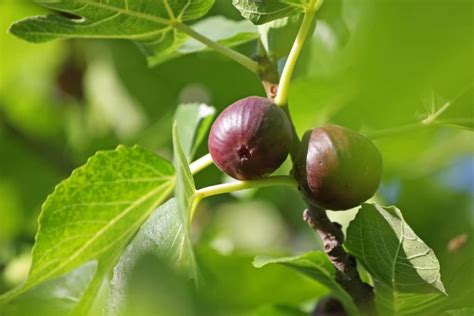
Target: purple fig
{"type": "Point", "coordinates": [329, 306]}
{"type": "Point", "coordinates": [337, 168]}
{"type": "Point", "coordinates": [250, 139]}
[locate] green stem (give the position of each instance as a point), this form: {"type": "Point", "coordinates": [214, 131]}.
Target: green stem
{"type": "Point", "coordinates": [200, 164]}
{"type": "Point", "coordinates": [242, 185]}
{"type": "Point", "coordinates": [229, 52]}
{"type": "Point", "coordinates": [284, 85]}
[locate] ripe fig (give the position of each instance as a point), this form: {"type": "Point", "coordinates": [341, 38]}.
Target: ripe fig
{"type": "Point", "coordinates": [337, 168]}
{"type": "Point", "coordinates": [329, 306]}
{"type": "Point", "coordinates": [250, 139]}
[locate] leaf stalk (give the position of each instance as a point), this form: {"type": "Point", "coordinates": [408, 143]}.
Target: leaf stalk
{"type": "Point", "coordinates": [229, 52]}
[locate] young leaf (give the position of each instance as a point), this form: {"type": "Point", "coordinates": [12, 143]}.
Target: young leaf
{"type": "Point", "coordinates": [405, 270]}
{"type": "Point", "coordinates": [193, 121]}
{"type": "Point", "coordinates": [151, 23]}
{"type": "Point", "coordinates": [97, 209]}
{"type": "Point", "coordinates": [184, 192]}
{"type": "Point", "coordinates": [228, 33]}
{"type": "Point", "coordinates": [316, 266]}
{"type": "Point", "coordinates": [260, 12]}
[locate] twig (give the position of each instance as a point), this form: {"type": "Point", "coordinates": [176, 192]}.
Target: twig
{"type": "Point", "coordinates": [346, 266]}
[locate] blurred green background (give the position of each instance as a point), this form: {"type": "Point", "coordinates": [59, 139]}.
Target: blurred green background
{"type": "Point", "coordinates": [371, 66]}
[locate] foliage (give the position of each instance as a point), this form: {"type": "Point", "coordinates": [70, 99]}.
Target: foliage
{"type": "Point", "coordinates": [130, 213]}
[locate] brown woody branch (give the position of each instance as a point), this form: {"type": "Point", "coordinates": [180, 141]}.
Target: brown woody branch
{"type": "Point", "coordinates": [346, 266]}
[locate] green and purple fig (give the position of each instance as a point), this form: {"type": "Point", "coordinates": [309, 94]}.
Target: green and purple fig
{"type": "Point", "coordinates": [337, 168]}
{"type": "Point", "coordinates": [250, 139]}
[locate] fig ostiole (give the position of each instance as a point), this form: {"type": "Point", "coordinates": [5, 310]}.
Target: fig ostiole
{"type": "Point", "coordinates": [250, 139]}
{"type": "Point", "coordinates": [337, 168]}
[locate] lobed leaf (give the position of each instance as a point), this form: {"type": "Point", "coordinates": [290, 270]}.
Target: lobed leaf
{"type": "Point", "coordinates": [150, 23]}
{"type": "Point", "coordinates": [405, 270]}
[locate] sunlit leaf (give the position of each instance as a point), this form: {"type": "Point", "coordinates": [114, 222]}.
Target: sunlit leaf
{"type": "Point", "coordinates": [150, 23]}
{"type": "Point", "coordinates": [405, 270]}
{"type": "Point", "coordinates": [166, 232]}
{"type": "Point", "coordinates": [260, 12]}
{"type": "Point", "coordinates": [98, 208]}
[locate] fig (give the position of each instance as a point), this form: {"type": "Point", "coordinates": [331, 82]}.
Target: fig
{"type": "Point", "coordinates": [337, 168]}
{"type": "Point", "coordinates": [250, 139]}
{"type": "Point", "coordinates": [329, 306]}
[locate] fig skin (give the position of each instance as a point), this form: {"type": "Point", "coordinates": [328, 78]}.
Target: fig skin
{"type": "Point", "coordinates": [337, 168]}
{"type": "Point", "coordinates": [329, 306]}
{"type": "Point", "coordinates": [250, 139]}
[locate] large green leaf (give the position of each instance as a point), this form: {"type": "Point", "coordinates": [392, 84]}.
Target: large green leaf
{"type": "Point", "coordinates": [148, 22]}
{"type": "Point", "coordinates": [315, 265]}
{"type": "Point", "coordinates": [96, 210]}
{"type": "Point", "coordinates": [405, 270]}
{"type": "Point", "coordinates": [165, 234]}
{"type": "Point", "coordinates": [260, 12]}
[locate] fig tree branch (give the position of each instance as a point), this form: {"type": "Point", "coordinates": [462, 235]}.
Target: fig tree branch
{"type": "Point", "coordinates": [346, 266]}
